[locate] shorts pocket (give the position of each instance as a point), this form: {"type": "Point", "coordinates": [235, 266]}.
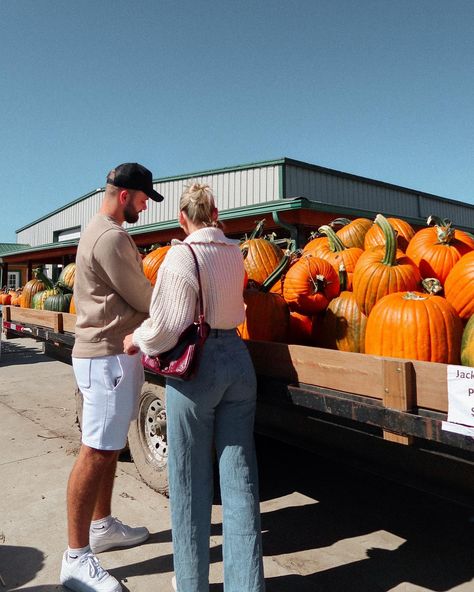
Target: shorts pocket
{"type": "Point", "coordinates": [82, 372]}
{"type": "Point", "coordinates": [113, 372]}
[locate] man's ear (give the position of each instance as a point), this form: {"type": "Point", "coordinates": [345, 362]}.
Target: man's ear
{"type": "Point", "coordinates": [123, 194]}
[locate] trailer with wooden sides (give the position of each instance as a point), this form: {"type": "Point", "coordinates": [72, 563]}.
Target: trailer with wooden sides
{"type": "Point", "coordinates": [385, 415]}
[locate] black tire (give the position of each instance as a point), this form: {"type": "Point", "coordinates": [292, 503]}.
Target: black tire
{"type": "Point", "coordinates": [147, 438]}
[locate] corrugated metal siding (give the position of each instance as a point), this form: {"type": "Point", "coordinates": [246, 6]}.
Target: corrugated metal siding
{"type": "Point", "coordinates": [231, 188]}
{"type": "Point", "coordinates": [360, 194]}
{"type": "Point", "coordinates": [77, 214]}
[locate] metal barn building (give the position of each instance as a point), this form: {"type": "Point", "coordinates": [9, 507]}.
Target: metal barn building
{"type": "Point", "coordinates": [293, 196]}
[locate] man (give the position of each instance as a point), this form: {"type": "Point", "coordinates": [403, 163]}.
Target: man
{"type": "Point", "coordinates": [112, 298]}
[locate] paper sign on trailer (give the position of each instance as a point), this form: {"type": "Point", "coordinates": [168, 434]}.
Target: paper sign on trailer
{"type": "Point", "coordinates": [460, 381]}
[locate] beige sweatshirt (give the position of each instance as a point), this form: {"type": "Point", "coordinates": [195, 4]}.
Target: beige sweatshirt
{"type": "Point", "coordinates": [111, 293]}
{"type": "Point", "coordinates": [174, 301]}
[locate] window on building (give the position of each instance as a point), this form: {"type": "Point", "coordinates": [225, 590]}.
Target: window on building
{"type": "Point", "coordinates": [13, 280]}
{"type": "Point", "coordinates": [67, 234]}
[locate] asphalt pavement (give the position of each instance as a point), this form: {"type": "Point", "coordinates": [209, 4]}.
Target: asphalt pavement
{"type": "Point", "coordinates": [326, 526]}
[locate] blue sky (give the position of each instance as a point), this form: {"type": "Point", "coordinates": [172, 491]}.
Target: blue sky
{"type": "Point", "coordinates": [378, 88]}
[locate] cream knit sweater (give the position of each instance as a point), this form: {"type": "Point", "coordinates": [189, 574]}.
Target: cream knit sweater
{"type": "Point", "coordinates": [174, 303]}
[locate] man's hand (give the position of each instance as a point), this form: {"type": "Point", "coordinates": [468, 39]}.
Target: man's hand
{"type": "Point", "coordinates": [128, 346]}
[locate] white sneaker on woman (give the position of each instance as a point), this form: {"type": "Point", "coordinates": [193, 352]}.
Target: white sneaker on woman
{"type": "Point", "coordinates": [85, 574]}
{"type": "Point", "coordinates": [116, 535]}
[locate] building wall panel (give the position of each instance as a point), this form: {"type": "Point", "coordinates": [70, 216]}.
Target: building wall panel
{"type": "Point", "coordinates": [231, 188]}
{"type": "Point", "coordinates": [364, 195]}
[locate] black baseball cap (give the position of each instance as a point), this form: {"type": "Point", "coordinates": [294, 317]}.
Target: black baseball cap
{"type": "Point", "coordinates": [132, 175]}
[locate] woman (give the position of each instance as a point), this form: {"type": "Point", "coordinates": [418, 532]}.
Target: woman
{"type": "Point", "coordinates": [215, 408]}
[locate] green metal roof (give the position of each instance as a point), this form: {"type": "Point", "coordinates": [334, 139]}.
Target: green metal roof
{"type": "Point", "coordinates": [9, 248]}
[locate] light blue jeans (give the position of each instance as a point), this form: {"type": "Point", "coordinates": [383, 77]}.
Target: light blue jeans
{"type": "Point", "coordinates": [217, 407]}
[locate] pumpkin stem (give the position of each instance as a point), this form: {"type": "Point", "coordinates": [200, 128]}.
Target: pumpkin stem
{"type": "Point", "coordinates": [335, 243]}
{"type": "Point", "coordinates": [339, 222]}
{"type": "Point", "coordinates": [431, 285]}
{"type": "Point", "coordinates": [390, 236]}
{"type": "Point", "coordinates": [415, 296]}
{"type": "Point", "coordinates": [342, 277]}
{"type": "Point", "coordinates": [257, 231]}
{"type": "Point", "coordinates": [277, 272]}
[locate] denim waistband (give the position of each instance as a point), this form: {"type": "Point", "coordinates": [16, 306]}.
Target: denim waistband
{"type": "Point", "coordinates": [221, 332]}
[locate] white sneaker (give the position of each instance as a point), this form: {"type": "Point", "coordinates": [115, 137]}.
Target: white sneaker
{"type": "Point", "coordinates": [116, 535]}
{"type": "Point", "coordinates": [173, 583]}
{"type": "Point", "coordinates": [85, 574]}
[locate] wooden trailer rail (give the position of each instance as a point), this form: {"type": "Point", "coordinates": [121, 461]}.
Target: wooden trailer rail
{"type": "Point", "coordinates": [406, 398]}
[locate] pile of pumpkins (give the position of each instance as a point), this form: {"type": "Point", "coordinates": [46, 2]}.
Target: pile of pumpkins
{"type": "Point", "coordinates": [41, 294]}
{"type": "Point", "coordinates": [371, 286]}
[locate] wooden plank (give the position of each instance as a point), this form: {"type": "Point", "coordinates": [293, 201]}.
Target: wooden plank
{"type": "Point", "coordinates": [69, 322]}
{"type": "Point", "coordinates": [355, 373]}
{"type": "Point", "coordinates": [44, 318]}
{"type": "Point", "coordinates": [431, 385]}
{"type": "Point", "coordinates": [399, 392]}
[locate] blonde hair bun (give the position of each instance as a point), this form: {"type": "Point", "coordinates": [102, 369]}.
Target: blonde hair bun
{"type": "Point", "coordinates": [198, 202]}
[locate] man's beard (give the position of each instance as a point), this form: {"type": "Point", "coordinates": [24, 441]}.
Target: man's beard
{"type": "Point", "coordinates": [130, 213]}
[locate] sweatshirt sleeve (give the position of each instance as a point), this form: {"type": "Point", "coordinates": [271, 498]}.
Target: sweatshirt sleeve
{"type": "Point", "coordinates": [120, 268]}
{"type": "Point", "coordinates": [172, 309]}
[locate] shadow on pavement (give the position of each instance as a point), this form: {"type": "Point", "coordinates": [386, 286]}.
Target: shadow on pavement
{"type": "Point", "coordinates": [14, 353]}
{"type": "Point", "coordinates": [19, 565]}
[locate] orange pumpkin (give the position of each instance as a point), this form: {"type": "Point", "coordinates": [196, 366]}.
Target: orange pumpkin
{"type": "Point", "coordinates": [300, 329]}
{"type": "Point", "coordinates": [267, 317]}
{"type": "Point", "coordinates": [383, 270]}
{"type": "Point", "coordinates": [459, 286]}
{"type": "Point", "coordinates": [338, 254]}
{"type": "Point", "coordinates": [39, 283]}
{"type": "Point", "coordinates": [438, 248]}
{"type": "Point", "coordinates": [261, 258]}
{"type": "Point", "coordinates": [414, 325]}
{"type": "Point", "coordinates": [152, 262]}
{"type": "Point", "coordinates": [343, 325]}
{"type": "Point", "coordinates": [353, 234]}
{"type": "Point", "coordinates": [310, 283]}
{"type": "Point", "coordinates": [375, 236]}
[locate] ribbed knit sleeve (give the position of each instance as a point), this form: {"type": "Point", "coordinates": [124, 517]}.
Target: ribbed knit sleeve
{"type": "Point", "coordinates": [172, 309]}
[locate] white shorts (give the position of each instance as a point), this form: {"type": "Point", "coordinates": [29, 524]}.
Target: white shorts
{"type": "Point", "coordinates": [110, 387]}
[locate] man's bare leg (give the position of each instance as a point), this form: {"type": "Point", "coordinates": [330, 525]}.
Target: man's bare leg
{"type": "Point", "coordinates": [91, 472]}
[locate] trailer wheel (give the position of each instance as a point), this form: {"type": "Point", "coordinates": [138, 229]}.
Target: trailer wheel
{"type": "Point", "coordinates": [147, 438]}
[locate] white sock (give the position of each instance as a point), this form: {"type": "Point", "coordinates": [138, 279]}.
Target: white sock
{"type": "Point", "coordinates": [73, 554]}
{"type": "Point", "coordinates": [101, 524]}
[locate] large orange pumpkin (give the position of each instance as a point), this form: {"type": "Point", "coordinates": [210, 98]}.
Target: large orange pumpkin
{"type": "Point", "coordinates": [267, 316]}
{"type": "Point", "coordinates": [261, 258]}
{"type": "Point", "coordinates": [438, 248]}
{"type": "Point", "coordinates": [353, 233]}
{"type": "Point", "coordinates": [310, 283]}
{"type": "Point", "coordinates": [414, 325]}
{"type": "Point", "coordinates": [459, 286]}
{"type": "Point", "coordinates": [152, 262]}
{"type": "Point", "coordinates": [383, 270]}
{"type": "Point", "coordinates": [375, 236]}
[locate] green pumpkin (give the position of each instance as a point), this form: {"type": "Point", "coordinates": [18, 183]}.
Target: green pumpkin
{"type": "Point", "coordinates": [58, 302]}
{"type": "Point", "coordinates": [467, 344]}
{"type": "Point", "coordinates": [40, 297]}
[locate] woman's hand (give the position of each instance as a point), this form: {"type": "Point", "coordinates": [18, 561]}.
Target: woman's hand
{"type": "Point", "coordinates": [128, 346]}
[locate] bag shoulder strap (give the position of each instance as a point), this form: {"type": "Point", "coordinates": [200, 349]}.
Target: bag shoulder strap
{"type": "Point", "coordinates": [201, 309]}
